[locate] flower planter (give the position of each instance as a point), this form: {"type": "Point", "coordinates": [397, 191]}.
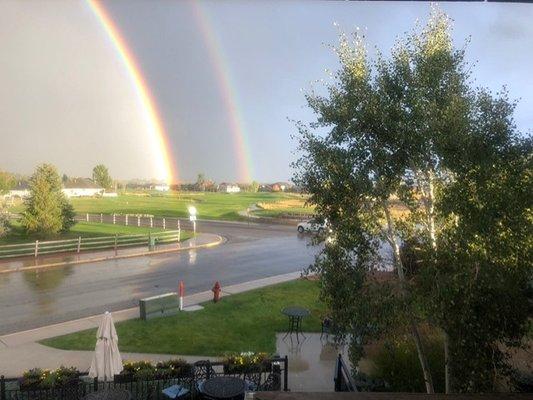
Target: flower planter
{"type": "Point", "coordinates": [232, 369]}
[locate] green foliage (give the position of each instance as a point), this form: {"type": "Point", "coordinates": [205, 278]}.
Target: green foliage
{"type": "Point", "coordinates": [6, 182]}
{"type": "Point", "coordinates": [396, 364]}
{"type": "Point", "coordinates": [67, 215]}
{"type": "Point", "coordinates": [254, 187]}
{"type": "Point", "coordinates": [5, 224]}
{"type": "Point", "coordinates": [410, 130]}
{"type": "Point", "coordinates": [484, 266]}
{"type": "Point", "coordinates": [47, 210]}
{"type": "Point", "coordinates": [49, 379]}
{"type": "Point", "coordinates": [204, 184]}
{"type": "Point", "coordinates": [101, 176]}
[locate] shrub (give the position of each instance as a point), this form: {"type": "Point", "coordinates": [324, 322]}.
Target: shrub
{"type": "Point", "coordinates": [173, 369]}
{"type": "Point", "coordinates": [397, 365]}
{"type": "Point", "coordinates": [38, 378]}
{"type": "Point", "coordinates": [246, 362]}
{"type": "Point", "coordinates": [145, 370]}
{"type": "Point", "coordinates": [5, 225]}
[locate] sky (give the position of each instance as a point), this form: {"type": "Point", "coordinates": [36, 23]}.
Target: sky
{"type": "Point", "coordinates": [227, 78]}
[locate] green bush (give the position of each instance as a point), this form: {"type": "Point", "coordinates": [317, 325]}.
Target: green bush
{"type": "Point", "coordinates": [145, 370]}
{"type": "Point", "coordinates": [397, 365]}
{"type": "Point", "coordinates": [46, 379]}
{"type": "Point", "coordinates": [236, 363]}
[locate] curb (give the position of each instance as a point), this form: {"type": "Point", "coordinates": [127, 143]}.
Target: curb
{"type": "Point", "coordinates": [217, 242]}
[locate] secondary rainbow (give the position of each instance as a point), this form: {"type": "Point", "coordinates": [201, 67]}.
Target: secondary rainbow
{"type": "Point", "coordinates": [165, 165]}
{"type": "Point", "coordinates": [227, 91]}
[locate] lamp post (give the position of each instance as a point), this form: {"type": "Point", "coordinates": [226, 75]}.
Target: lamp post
{"type": "Point", "coordinates": [192, 217]}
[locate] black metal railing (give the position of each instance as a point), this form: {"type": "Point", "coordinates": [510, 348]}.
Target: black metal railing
{"type": "Point", "coordinates": [272, 378]}
{"type": "Point", "coordinates": [343, 378]}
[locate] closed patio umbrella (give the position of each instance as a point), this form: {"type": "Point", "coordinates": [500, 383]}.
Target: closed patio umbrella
{"type": "Point", "coordinates": [106, 360]}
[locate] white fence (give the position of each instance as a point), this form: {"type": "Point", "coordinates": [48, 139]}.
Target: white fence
{"type": "Point", "coordinates": [133, 220]}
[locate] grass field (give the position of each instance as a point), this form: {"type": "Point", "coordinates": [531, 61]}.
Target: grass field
{"type": "Point", "coordinates": [288, 206]}
{"type": "Point", "coordinates": [241, 322]}
{"type": "Point", "coordinates": [83, 229]}
{"type": "Point", "coordinates": [210, 205]}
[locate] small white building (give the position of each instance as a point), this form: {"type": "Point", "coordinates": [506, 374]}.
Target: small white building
{"type": "Point", "coordinates": [21, 190]}
{"type": "Point", "coordinates": [82, 187]}
{"type": "Point", "coordinates": [228, 188]}
{"type": "Point", "coordinates": [162, 188]}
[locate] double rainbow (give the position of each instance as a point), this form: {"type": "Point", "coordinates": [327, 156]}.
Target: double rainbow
{"type": "Point", "coordinates": [166, 166]}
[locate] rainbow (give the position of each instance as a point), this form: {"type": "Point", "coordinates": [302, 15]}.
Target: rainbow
{"type": "Point", "coordinates": [227, 91]}
{"type": "Point", "coordinates": [165, 165]}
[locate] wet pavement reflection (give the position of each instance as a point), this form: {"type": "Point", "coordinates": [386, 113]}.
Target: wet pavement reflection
{"type": "Point", "coordinates": [312, 360]}
{"type": "Point", "coordinates": [31, 299]}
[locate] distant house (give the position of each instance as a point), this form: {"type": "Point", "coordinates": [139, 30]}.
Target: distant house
{"type": "Point", "coordinates": [228, 188]}
{"type": "Point", "coordinates": [162, 188]}
{"type": "Point", "coordinates": [21, 190]}
{"type": "Point", "coordinates": [82, 187]}
{"type": "Point", "coordinates": [281, 186]}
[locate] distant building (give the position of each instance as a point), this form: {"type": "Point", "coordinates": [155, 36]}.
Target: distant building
{"type": "Point", "coordinates": [228, 188]}
{"type": "Point", "coordinates": [162, 188]}
{"type": "Point", "coordinates": [82, 187]}
{"type": "Point", "coordinates": [281, 186]}
{"type": "Point", "coordinates": [21, 190]}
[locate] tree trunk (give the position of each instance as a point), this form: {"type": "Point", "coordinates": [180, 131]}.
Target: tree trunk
{"type": "Point", "coordinates": [430, 201]}
{"type": "Point", "coordinates": [391, 235]}
{"type": "Point", "coordinates": [430, 209]}
{"type": "Point", "coordinates": [447, 366]}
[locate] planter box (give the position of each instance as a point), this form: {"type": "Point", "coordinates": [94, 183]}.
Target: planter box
{"type": "Point", "coordinates": [230, 369]}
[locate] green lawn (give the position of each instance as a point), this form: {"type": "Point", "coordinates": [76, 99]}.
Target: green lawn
{"type": "Point", "coordinates": [209, 205]}
{"type": "Point", "coordinates": [83, 229]}
{"type": "Point", "coordinates": [241, 322]}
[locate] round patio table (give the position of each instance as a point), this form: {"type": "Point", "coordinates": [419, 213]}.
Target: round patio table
{"type": "Point", "coordinates": [224, 387]}
{"type": "Point", "coordinates": [109, 394]}
{"type": "Point", "coordinates": [295, 314]}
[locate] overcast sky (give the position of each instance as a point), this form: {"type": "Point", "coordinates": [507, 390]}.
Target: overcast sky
{"type": "Point", "coordinates": [65, 96]}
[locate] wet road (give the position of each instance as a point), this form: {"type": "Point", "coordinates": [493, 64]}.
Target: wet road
{"type": "Point", "coordinates": [30, 299]}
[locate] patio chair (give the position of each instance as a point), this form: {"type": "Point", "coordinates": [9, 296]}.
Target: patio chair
{"type": "Point", "coordinates": [203, 370]}
{"type": "Point", "coordinates": [272, 383]}
{"type": "Point", "coordinates": [327, 324]}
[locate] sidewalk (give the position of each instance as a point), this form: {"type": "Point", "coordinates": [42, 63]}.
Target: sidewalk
{"type": "Point", "coordinates": [20, 351]}
{"type": "Point", "coordinates": [201, 240]}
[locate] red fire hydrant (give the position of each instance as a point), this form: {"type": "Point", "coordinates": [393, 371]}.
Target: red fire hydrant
{"type": "Point", "coordinates": [181, 294]}
{"type": "Point", "coordinates": [216, 292]}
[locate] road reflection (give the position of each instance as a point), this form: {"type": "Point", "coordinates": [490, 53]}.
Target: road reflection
{"type": "Point", "coordinates": [35, 298]}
